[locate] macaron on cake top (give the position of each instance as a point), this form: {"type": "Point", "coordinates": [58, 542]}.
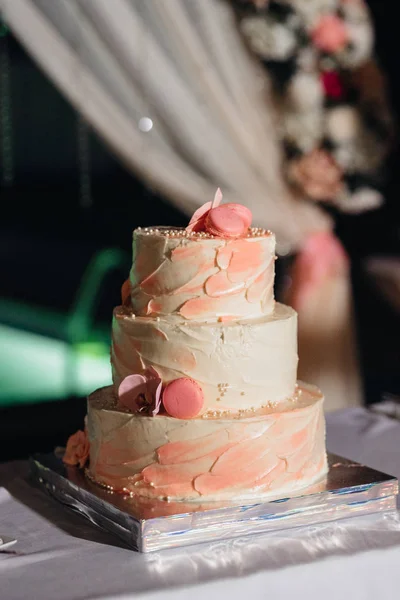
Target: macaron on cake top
{"type": "Point", "coordinates": [228, 221]}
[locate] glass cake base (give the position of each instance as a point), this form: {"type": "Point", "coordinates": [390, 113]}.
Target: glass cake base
{"type": "Point", "coordinates": [349, 489]}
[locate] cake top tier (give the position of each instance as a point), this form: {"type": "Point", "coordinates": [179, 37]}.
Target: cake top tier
{"type": "Point", "coordinates": [218, 268]}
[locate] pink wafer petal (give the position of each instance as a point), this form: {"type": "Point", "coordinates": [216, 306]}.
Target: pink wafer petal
{"type": "Point", "coordinates": [217, 198]}
{"type": "Point", "coordinates": [196, 223]}
{"type": "Point", "coordinates": [129, 391]}
{"type": "Point", "coordinates": [157, 399]}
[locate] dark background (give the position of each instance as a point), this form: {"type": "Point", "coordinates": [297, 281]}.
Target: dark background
{"type": "Point", "coordinates": [47, 234]}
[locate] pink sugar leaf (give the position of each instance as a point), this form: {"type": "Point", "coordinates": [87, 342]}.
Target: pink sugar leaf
{"type": "Point", "coordinates": [196, 223]}
{"type": "Point", "coordinates": [217, 198]}
{"type": "Point", "coordinates": [157, 399]}
{"type": "Point", "coordinates": [198, 217]}
{"type": "Point", "coordinates": [129, 391]}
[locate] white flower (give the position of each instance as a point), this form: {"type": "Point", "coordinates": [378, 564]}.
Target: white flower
{"type": "Point", "coordinates": [347, 157]}
{"type": "Point", "coordinates": [311, 10]}
{"type": "Point", "coordinates": [342, 124]}
{"type": "Point", "coordinates": [304, 129]}
{"type": "Point", "coordinates": [305, 92]}
{"type": "Point", "coordinates": [361, 34]}
{"type": "Point", "coordinates": [361, 37]}
{"type": "Point", "coordinates": [307, 59]}
{"type": "Point", "coordinates": [363, 153]}
{"type": "Point", "coordinates": [269, 40]}
{"type": "Point", "coordinates": [361, 200]}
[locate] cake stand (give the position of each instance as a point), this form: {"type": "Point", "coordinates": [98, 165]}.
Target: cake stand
{"type": "Point", "coordinates": [349, 489]}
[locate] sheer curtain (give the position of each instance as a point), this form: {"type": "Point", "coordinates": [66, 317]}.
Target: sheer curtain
{"type": "Point", "coordinates": [170, 87]}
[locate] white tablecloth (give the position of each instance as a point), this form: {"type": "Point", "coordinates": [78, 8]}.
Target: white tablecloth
{"type": "Point", "coordinates": [61, 556]}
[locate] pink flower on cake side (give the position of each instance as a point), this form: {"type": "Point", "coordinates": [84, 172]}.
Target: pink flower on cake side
{"type": "Point", "coordinates": [141, 393]}
{"type": "Point", "coordinates": [330, 34]}
{"type": "Point", "coordinates": [77, 450]}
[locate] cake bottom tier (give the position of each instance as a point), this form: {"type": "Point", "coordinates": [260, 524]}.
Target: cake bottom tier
{"type": "Point", "coordinates": [265, 455]}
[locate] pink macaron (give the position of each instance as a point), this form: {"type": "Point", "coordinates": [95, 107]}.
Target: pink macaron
{"type": "Point", "coordinates": [229, 220]}
{"type": "Point", "coordinates": [183, 398]}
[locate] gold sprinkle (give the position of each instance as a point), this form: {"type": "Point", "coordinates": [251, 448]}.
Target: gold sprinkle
{"type": "Point", "coordinates": [242, 393]}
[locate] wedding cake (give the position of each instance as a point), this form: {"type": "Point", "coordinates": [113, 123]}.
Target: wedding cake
{"type": "Point", "coordinates": [204, 403]}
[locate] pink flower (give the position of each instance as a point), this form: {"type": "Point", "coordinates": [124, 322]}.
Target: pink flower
{"type": "Point", "coordinates": [318, 175]}
{"type": "Point", "coordinates": [77, 450]}
{"type": "Point", "coordinates": [141, 393]}
{"type": "Point", "coordinates": [330, 34]}
{"type": "Point", "coordinates": [332, 84]}
{"type": "Point", "coordinates": [321, 257]}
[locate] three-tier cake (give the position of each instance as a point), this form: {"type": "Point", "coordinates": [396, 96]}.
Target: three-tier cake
{"type": "Point", "coordinates": [204, 403]}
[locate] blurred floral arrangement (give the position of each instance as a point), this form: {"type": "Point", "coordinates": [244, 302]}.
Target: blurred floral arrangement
{"type": "Point", "coordinates": [335, 123]}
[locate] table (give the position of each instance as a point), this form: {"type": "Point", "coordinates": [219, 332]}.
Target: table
{"type": "Point", "coordinates": [60, 556]}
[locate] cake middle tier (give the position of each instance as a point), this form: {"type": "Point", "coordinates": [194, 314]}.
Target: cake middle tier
{"type": "Point", "coordinates": [240, 366]}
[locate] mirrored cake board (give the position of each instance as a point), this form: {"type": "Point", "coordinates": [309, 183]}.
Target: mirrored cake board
{"type": "Point", "coordinates": [350, 489]}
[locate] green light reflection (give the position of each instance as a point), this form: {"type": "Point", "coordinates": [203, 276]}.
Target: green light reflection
{"type": "Point", "coordinates": [37, 368]}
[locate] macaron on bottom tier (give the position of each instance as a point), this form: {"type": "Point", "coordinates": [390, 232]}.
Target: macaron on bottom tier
{"type": "Point", "coordinates": [272, 453]}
